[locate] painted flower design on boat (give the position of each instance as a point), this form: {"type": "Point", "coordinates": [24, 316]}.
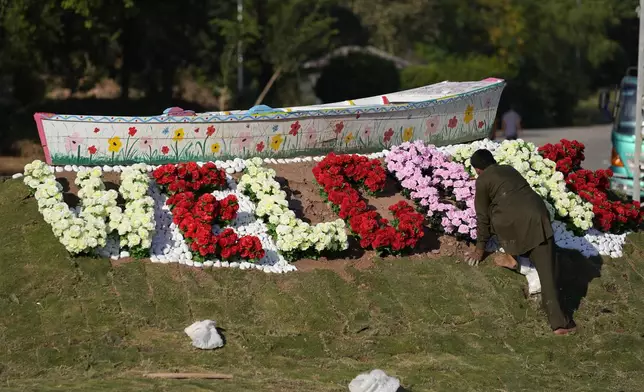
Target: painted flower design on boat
{"type": "Point", "coordinates": [215, 148]}
{"type": "Point", "coordinates": [276, 142]}
{"type": "Point", "coordinates": [348, 138]}
{"type": "Point", "coordinates": [408, 134]}
{"type": "Point", "coordinates": [388, 135]}
{"type": "Point", "coordinates": [432, 125]}
{"type": "Point", "coordinates": [469, 114]}
{"type": "Point", "coordinates": [295, 128]}
{"type": "Point", "coordinates": [179, 134]}
{"type": "Point", "coordinates": [115, 144]}
{"type": "Point", "coordinates": [73, 142]}
{"type": "Point", "coordinates": [310, 137]}
{"type": "Point", "coordinates": [338, 127]}
{"type": "Point", "coordinates": [452, 123]}
{"type": "Point", "coordinates": [244, 140]}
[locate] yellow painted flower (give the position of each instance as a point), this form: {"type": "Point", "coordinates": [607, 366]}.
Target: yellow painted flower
{"type": "Point", "coordinates": [349, 138]}
{"type": "Point", "coordinates": [469, 114]}
{"type": "Point", "coordinates": [276, 142]}
{"type": "Point", "coordinates": [408, 134]}
{"type": "Point", "coordinates": [179, 134]}
{"type": "Point", "coordinates": [215, 148]}
{"type": "Point", "coordinates": [115, 144]}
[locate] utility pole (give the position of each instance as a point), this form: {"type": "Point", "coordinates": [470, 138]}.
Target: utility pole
{"type": "Point", "coordinates": [638, 110]}
{"type": "Point", "coordinates": [240, 53]}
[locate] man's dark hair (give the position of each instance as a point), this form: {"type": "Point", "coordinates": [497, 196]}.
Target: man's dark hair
{"type": "Point", "coordinates": [481, 159]}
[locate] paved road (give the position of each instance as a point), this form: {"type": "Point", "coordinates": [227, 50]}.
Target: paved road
{"type": "Point", "coordinates": [595, 138]}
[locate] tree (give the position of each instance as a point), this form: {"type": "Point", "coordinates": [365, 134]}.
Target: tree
{"type": "Point", "coordinates": [291, 30]}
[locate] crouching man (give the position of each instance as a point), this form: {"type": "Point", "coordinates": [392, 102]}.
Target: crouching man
{"type": "Point", "coordinates": [507, 206]}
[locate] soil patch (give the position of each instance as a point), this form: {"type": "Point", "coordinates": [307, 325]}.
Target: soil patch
{"type": "Point", "coordinates": [302, 193]}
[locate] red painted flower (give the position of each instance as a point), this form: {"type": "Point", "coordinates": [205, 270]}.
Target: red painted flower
{"type": "Point", "coordinates": [92, 150]}
{"type": "Point", "coordinates": [481, 124]}
{"type": "Point", "coordinates": [210, 130]}
{"type": "Point", "coordinates": [96, 130]}
{"type": "Point", "coordinates": [338, 128]}
{"type": "Point", "coordinates": [196, 130]}
{"type": "Point", "coordinates": [295, 128]}
{"type": "Point", "coordinates": [260, 147]}
{"type": "Point", "coordinates": [388, 134]}
{"type": "Point", "coordinates": [132, 131]}
{"type": "Point", "coordinates": [452, 122]}
{"type": "Point", "coordinates": [165, 150]}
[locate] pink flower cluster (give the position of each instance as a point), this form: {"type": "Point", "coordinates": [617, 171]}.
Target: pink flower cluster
{"type": "Point", "coordinates": [441, 187]}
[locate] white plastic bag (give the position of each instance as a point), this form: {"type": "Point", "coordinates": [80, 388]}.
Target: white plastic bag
{"type": "Point", "coordinates": [375, 381]}
{"type": "Point", "coordinates": [528, 270]}
{"type": "Point", "coordinates": [204, 335]}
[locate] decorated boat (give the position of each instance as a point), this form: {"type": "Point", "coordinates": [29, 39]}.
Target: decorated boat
{"type": "Point", "coordinates": [441, 114]}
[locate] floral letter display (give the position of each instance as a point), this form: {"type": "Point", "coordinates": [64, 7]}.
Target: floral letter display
{"type": "Point", "coordinates": [195, 210]}
{"type": "Point", "coordinates": [339, 175]}
{"type": "Point", "coordinates": [443, 188]}
{"type": "Point", "coordinates": [294, 238]}
{"type": "Point", "coordinates": [86, 228]}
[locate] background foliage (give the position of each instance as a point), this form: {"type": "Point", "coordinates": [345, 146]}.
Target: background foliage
{"type": "Point", "coordinates": [553, 53]}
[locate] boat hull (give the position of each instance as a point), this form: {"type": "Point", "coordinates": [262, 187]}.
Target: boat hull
{"type": "Point", "coordinates": [440, 114]}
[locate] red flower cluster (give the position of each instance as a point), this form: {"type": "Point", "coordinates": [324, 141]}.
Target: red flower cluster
{"type": "Point", "coordinates": [567, 154]}
{"type": "Point", "coordinates": [337, 175]}
{"type": "Point", "coordinates": [195, 210]}
{"type": "Point", "coordinates": [190, 177]}
{"type": "Point", "coordinates": [610, 215]}
{"type": "Point", "coordinates": [594, 187]}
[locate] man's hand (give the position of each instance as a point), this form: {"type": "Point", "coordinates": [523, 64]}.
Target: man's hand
{"type": "Point", "coordinates": [474, 258]}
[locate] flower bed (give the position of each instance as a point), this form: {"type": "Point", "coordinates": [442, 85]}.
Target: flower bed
{"type": "Point", "coordinates": [443, 189]}
{"type": "Point", "coordinates": [195, 210]}
{"type": "Point", "coordinates": [294, 238]}
{"type": "Point", "coordinates": [615, 216]}
{"type": "Point", "coordinates": [207, 221]}
{"type": "Point", "coordinates": [338, 177]}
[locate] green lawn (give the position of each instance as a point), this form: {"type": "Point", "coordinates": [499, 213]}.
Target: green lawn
{"type": "Point", "coordinates": [82, 325]}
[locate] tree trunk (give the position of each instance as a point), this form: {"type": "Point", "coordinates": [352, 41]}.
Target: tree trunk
{"type": "Point", "coordinates": [268, 86]}
{"type": "Point", "coordinates": [126, 66]}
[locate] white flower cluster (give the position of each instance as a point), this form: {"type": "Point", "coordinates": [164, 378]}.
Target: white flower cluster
{"type": "Point", "coordinates": [462, 152]}
{"type": "Point", "coordinates": [540, 173]}
{"type": "Point", "coordinates": [79, 233]}
{"type": "Point", "coordinates": [135, 225]}
{"type": "Point", "coordinates": [291, 234]}
{"type": "Point", "coordinates": [95, 204]}
{"type": "Point", "coordinates": [36, 173]}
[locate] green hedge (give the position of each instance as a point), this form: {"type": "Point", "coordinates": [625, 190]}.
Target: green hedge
{"type": "Point", "coordinates": [455, 69]}
{"type": "Point", "coordinates": [357, 75]}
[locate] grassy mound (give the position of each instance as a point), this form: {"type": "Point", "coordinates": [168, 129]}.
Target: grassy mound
{"type": "Point", "coordinates": [85, 324]}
